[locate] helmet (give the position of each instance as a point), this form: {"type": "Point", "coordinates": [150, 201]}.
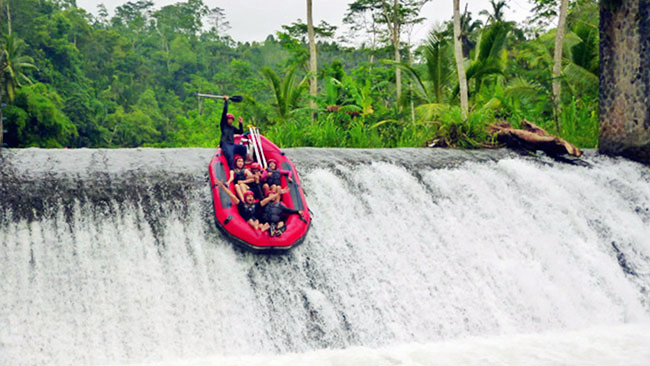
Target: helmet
{"type": "Point", "coordinates": [230, 116]}
{"type": "Point", "coordinates": [255, 166]}
{"type": "Point", "coordinates": [272, 161]}
{"type": "Point", "coordinates": [237, 157]}
{"type": "Point", "coordinates": [248, 193]}
{"type": "Point", "coordinates": [269, 192]}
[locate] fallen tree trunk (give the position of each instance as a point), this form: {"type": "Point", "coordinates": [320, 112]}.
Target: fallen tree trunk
{"type": "Point", "coordinates": [532, 138]}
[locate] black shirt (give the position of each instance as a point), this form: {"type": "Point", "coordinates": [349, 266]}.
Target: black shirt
{"type": "Point", "coordinates": [274, 212]}
{"type": "Point", "coordinates": [228, 131]}
{"type": "Point", "coordinates": [249, 211]}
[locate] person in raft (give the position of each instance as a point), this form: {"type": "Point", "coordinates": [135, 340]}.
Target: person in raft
{"type": "Point", "coordinates": [238, 177]}
{"type": "Point", "coordinates": [249, 208]}
{"type": "Point", "coordinates": [272, 176]}
{"type": "Point", "coordinates": [237, 174]}
{"type": "Point", "coordinates": [228, 131]}
{"type": "Point", "coordinates": [252, 181]}
{"type": "Point", "coordinates": [275, 213]}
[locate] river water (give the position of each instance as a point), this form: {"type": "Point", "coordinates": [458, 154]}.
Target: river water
{"type": "Point", "coordinates": [415, 257]}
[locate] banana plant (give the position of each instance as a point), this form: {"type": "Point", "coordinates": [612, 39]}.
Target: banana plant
{"type": "Point", "coordinates": [361, 95]}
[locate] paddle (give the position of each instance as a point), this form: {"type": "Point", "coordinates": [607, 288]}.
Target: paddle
{"type": "Point", "coordinates": [234, 98]}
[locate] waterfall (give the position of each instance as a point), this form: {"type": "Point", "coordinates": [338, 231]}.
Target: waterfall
{"type": "Point", "coordinates": [113, 257]}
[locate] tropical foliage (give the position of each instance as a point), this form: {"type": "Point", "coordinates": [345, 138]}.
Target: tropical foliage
{"type": "Point", "coordinates": [72, 79]}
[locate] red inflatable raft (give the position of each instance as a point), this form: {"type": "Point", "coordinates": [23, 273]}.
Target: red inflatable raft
{"type": "Point", "coordinates": [233, 225]}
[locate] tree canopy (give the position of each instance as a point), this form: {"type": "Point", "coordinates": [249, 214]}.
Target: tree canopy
{"type": "Point", "coordinates": [71, 79]}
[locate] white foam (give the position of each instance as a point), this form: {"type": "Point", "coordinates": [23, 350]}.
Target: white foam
{"type": "Point", "coordinates": [600, 346]}
{"type": "Point", "coordinates": [453, 264]}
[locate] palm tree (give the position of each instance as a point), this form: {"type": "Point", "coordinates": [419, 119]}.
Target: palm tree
{"type": "Point", "coordinates": [489, 57]}
{"type": "Point", "coordinates": [313, 61]}
{"type": "Point", "coordinates": [557, 61]}
{"type": "Point", "coordinates": [287, 92]}
{"type": "Point", "coordinates": [439, 68]}
{"type": "Point", "coordinates": [460, 67]}
{"type": "Point", "coordinates": [497, 11]}
{"type": "Point", "coordinates": [12, 65]}
{"type": "Point", "coordinates": [468, 30]}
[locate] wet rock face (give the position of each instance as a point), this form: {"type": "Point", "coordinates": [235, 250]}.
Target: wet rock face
{"type": "Point", "coordinates": [625, 78]}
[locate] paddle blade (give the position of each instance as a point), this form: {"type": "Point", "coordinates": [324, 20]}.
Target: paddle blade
{"type": "Point", "coordinates": [236, 98]}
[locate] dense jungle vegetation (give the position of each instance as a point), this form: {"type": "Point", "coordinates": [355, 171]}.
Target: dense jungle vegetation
{"type": "Point", "coordinates": [71, 79]}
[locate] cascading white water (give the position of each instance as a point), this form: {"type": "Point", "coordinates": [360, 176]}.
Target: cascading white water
{"type": "Point", "coordinates": [112, 257]}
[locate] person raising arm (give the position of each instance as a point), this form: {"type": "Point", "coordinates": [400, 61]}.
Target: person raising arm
{"type": "Point", "coordinates": [228, 131]}
{"type": "Point", "coordinates": [249, 209]}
